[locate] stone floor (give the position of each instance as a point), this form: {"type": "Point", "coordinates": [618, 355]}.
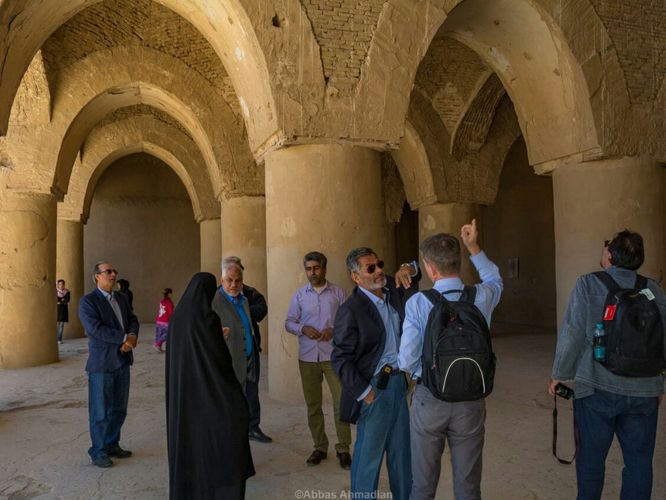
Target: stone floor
{"type": "Point", "coordinates": [44, 436]}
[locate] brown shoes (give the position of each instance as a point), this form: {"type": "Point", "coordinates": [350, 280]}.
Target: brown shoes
{"type": "Point", "coordinates": [316, 457]}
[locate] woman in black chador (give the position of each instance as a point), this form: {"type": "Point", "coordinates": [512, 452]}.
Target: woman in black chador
{"type": "Point", "coordinates": [207, 415]}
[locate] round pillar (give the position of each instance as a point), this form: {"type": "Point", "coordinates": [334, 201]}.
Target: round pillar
{"type": "Point", "coordinates": [27, 280]}
{"type": "Point", "coordinates": [244, 235]}
{"type": "Point", "coordinates": [69, 267]}
{"type": "Point", "coordinates": [209, 234]}
{"type": "Point", "coordinates": [325, 197]}
{"type": "Point", "coordinates": [449, 218]}
{"type": "Point", "coordinates": [595, 200]}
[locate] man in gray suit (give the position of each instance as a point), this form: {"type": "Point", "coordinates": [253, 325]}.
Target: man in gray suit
{"type": "Point", "coordinates": [233, 308]}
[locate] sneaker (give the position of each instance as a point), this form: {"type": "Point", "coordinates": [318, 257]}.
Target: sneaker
{"type": "Point", "coordinates": [157, 348]}
{"type": "Point", "coordinates": [59, 341]}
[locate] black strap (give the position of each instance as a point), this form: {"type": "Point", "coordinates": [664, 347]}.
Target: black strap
{"type": "Point", "coordinates": [468, 294]}
{"type": "Point", "coordinates": [576, 436]}
{"type": "Point", "coordinates": [608, 281]}
{"type": "Point", "coordinates": [641, 282]}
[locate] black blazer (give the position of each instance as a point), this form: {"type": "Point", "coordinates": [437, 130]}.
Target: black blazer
{"type": "Point", "coordinates": [359, 336]}
{"type": "Point", "coordinates": [105, 334]}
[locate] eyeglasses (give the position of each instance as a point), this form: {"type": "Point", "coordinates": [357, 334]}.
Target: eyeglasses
{"type": "Point", "coordinates": [108, 271]}
{"type": "Point", "coordinates": [371, 268]}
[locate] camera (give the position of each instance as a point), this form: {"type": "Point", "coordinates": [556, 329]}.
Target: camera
{"type": "Point", "coordinates": [383, 377]}
{"type": "Point", "coordinates": [563, 391]}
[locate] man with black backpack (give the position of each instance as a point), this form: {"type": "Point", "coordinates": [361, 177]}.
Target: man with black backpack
{"type": "Point", "coordinates": [611, 344]}
{"type": "Point", "coordinates": [446, 347]}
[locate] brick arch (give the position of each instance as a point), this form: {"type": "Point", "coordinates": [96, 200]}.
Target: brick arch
{"type": "Point", "coordinates": [547, 104]}
{"type": "Point", "coordinates": [430, 173]}
{"type": "Point", "coordinates": [227, 28]}
{"type": "Point", "coordinates": [120, 97]}
{"type": "Point", "coordinates": [146, 133]}
{"type": "Point", "coordinates": [224, 142]}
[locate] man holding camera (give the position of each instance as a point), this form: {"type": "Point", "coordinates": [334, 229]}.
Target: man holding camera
{"type": "Point", "coordinates": [366, 339]}
{"type": "Point", "coordinates": [606, 403]}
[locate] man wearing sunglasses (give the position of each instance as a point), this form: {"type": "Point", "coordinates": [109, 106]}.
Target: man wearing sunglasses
{"type": "Point", "coordinates": [112, 330]}
{"type": "Point", "coordinates": [366, 339]}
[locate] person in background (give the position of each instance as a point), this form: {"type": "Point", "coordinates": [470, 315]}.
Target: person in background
{"type": "Point", "coordinates": [124, 288]}
{"type": "Point", "coordinates": [63, 297]}
{"type": "Point", "coordinates": [162, 320]}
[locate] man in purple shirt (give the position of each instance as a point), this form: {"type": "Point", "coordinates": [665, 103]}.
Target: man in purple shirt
{"type": "Point", "coordinates": [310, 318]}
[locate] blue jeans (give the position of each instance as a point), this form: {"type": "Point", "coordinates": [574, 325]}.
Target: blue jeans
{"type": "Point", "coordinates": [634, 420]}
{"type": "Point", "coordinates": [108, 393]}
{"type": "Point", "coordinates": [383, 426]}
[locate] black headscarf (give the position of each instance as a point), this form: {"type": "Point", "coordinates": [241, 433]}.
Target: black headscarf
{"type": "Point", "coordinates": [207, 414]}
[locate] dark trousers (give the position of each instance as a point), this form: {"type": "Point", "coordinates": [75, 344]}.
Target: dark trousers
{"type": "Point", "coordinates": [108, 393]}
{"type": "Point", "coordinates": [634, 420]}
{"type": "Point", "coordinates": [252, 396]}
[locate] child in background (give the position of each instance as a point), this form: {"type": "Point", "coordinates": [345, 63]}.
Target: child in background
{"type": "Point", "coordinates": [162, 319]}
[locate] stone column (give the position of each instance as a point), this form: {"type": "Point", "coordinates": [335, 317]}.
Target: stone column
{"type": "Point", "coordinates": [449, 218]}
{"type": "Point", "coordinates": [69, 266]}
{"type": "Point", "coordinates": [209, 233]}
{"type": "Point", "coordinates": [27, 280]}
{"type": "Point", "coordinates": [595, 200]}
{"type": "Point", "coordinates": [325, 197]}
{"type": "Point", "coordinates": [244, 235]}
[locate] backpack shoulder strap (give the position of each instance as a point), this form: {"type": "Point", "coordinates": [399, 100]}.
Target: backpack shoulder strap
{"type": "Point", "coordinates": [608, 281]}
{"type": "Point", "coordinates": [468, 294]}
{"type": "Point", "coordinates": [641, 282]}
{"type": "Point", "coordinates": [433, 296]}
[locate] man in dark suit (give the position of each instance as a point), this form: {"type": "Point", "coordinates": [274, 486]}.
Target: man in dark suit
{"type": "Point", "coordinates": [366, 339]}
{"type": "Point", "coordinates": [112, 330]}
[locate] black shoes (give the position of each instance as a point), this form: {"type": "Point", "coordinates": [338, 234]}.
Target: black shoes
{"type": "Point", "coordinates": [104, 462]}
{"type": "Point", "coordinates": [345, 460]}
{"type": "Point", "coordinates": [316, 457]}
{"type": "Point", "coordinates": [120, 453]}
{"type": "Point", "coordinates": [260, 437]}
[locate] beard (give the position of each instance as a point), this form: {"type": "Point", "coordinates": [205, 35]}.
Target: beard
{"type": "Point", "coordinates": [376, 284]}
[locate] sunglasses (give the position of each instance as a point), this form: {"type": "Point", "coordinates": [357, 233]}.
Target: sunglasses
{"type": "Point", "coordinates": [371, 268]}
{"type": "Point", "coordinates": [108, 271]}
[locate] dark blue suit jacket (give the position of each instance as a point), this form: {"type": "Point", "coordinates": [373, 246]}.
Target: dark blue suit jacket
{"type": "Point", "coordinates": [359, 337]}
{"type": "Point", "coordinates": [105, 334]}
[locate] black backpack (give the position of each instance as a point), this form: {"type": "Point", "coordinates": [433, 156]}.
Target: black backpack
{"type": "Point", "coordinates": [458, 360]}
{"type": "Point", "coordinates": [634, 330]}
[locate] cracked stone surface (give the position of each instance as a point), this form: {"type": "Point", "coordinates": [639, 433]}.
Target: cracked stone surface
{"type": "Point", "coordinates": [44, 435]}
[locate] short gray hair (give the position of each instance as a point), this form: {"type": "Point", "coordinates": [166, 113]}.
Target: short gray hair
{"type": "Point", "coordinates": [96, 269]}
{"type": "Point", "coordinates": [233, 259]}
{"type": "Point", "coordinates": [231, 264]}
{"type": "Point", "coordinates": [353, 264]}
{"type": "Point", "coordinates": [442, 251]}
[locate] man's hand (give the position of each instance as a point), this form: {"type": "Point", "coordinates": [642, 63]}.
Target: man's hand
{"type": "Point", "coordinates": [226, 331]}
{"type": "Point", "coordinates": [131, 340]}
{"type": "Point", "coordinates": [469, 235]}
{"type": "Point", "coordinates": [403, 276]}
{"type": "Point", "coordinates": [551, 386]}
{"type": "Point", "coordinates": [326, 334]}
{"type": "Point", "coordinates": [370, 397]}
{"type": "Point", "coordinates": [311, 333]}
{"type": "Point", "coordinates": [125, 347]}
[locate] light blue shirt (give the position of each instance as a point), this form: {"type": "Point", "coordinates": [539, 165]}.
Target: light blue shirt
{"type": "Point", "coordinates": [391, 320]}
{"type": "Point", "coordinates": [238, 301]}
{"type": "Point", "coordinates": [418, 308]}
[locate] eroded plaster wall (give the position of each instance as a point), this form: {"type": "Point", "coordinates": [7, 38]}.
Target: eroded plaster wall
{"type": "Point", "coordinates": [520, 225]}
{"type": "Point", "coordinates": [141, 220]}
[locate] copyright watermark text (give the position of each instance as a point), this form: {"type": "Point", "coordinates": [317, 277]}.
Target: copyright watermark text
{"type": "Point", "coordinates": [341, 494]}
